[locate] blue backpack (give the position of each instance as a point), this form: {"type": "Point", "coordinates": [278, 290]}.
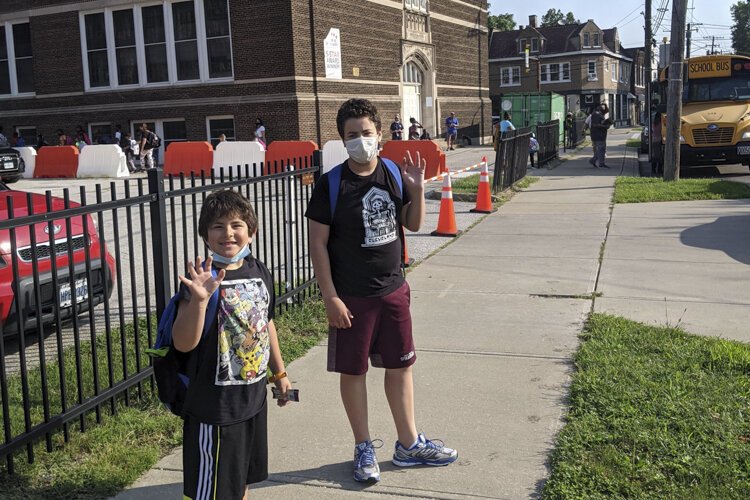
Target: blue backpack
{"type": "Point", "coordinates": [170, 372]}
{"type": "Point", "coordinates": [334, 181]}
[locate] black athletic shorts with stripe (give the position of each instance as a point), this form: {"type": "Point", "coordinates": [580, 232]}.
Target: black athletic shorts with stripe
{"type": "Point", "coordinates": [219, 461]}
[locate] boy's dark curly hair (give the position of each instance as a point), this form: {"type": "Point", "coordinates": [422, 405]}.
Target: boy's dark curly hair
{"type": "Point", "coordinates": [357, 108]}
{"type": "Point", "coordinates": [226, 203]}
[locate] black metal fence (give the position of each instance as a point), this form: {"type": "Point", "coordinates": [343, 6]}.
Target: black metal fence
{"type": "Point", "coordinates": [548, 136]}
{"type": "Point", "coordinates": [511, 159]}
{"type": "Point", "coordinates": [575, 134]}
{"type": "Point", "coordinates": [86, 275]}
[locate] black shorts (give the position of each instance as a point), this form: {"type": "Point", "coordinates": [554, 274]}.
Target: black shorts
{"type": "Point", "coordinates": [219, 461]}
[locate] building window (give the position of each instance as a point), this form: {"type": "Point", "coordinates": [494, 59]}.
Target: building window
{"type": "Point", "coordinates": [28, 134]}
{"type": "Point", "coordinates": [510, 76]}
{"type": "Point", "coordinates": [534, 45]}
{"type": "Point", "coordinates": [596, 40]}
{"type": "Point", "coordinates": [170, 42]}
{"type": "Point", "coordinates": [155, 44]}
{"type": "Point", "coordinates": [417, 6]}
{"type": "Point", "coordinates": [125, 50]}
{"type": "Point", "coordinates": [173, 131]}
{"type": "Point", "coordinates": [218, 125]}
{"type": "Point", "coordinates": [218, 42]}
{"type": "Point", "coordinates": [614, 74]}
{"type": "Point", "coordinates": [522, 44]}
{"type": "Point", "coordinates": [586, 40]}
{"type": "Point", "coordinates": [96, 45]}
{"type": "Point", "coordinates": [555, 72]}
{"type": "Point", "coordinates": [16, 61]}
{"type": "Point", "coordinates": [592, 70]}
{"type": "Point", "coordinates": [185, 40]}
{"type": "Point", "coordinates": [101, 133]}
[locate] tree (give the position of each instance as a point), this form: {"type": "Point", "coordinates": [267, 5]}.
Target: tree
{"type": "Point", "coordinates": [555, 17]}
{"type": "Point", "coordinates": [741, 27]}
{"type": "Point", "coordinates": [501, 22]}
{"type": "Point", "coordinates": [571, 19]}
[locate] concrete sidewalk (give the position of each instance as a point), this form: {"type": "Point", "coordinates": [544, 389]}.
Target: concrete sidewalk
{"type": "Point", "coordinates": [497, 314]}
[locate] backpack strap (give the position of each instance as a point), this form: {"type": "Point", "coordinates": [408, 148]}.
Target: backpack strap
{"type": "Point", "coordinates": [334, 181]}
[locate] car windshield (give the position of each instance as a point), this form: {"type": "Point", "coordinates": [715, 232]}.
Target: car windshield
{"type": "Point", "coordinates": [717, 89]}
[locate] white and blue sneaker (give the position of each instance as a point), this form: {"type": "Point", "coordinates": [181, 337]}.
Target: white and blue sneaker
{"type": "Point", "coordinates": [366, 469]}
{"type": "Point", "coordinates": [424, 452]}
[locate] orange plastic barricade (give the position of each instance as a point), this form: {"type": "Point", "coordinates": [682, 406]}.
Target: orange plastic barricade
{"type": "Point", "coordinates": [56, 162]}
{"type": "Point", "coordinates": [429, 150]}
{"type": "Point", "coordinates": [189, 157]}
{"type": "Point", "coordinates": [282, 153]}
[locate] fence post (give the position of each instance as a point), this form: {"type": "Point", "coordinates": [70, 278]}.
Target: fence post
{"type": "Point", "coordinates": [318, 162]}
{"type": "Point", "coordinates": [160, 245]}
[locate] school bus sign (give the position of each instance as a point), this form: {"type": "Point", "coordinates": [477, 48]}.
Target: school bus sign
{"type": "Point", "coordinates": [710, 68]}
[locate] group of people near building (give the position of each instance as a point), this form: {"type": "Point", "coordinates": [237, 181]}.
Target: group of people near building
{"type": "Point", "coordinates": [417, 132]}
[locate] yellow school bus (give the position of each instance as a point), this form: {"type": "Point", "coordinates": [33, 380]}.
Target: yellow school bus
{"type": "Point", "coordinates": [715, 120]}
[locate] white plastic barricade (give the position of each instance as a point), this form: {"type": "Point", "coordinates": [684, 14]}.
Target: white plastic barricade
{"type": "Point", "coordinates": [28, 155]}
{"type": "Point", "coordinates": [334, 153]}
{"type": "Point", "coordinates": [229, 154]}
{"type": "Point", "coordinates": [102, 160]}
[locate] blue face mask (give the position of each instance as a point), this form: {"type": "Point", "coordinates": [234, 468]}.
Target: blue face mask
{"type": "Point", "coordinates": [233, 260]}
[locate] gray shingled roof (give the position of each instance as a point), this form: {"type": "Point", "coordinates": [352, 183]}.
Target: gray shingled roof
{"type": "Point", "coordinates": [557, 39]}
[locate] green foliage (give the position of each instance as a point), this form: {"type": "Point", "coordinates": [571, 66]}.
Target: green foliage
{"type": "Point", "coordinates": [649, 189]}
{"type": "Point", "coordinates": [554, 17]}
{"type": "Point", "coordinates": [741, 27]}
{"type": "Point", "coordinates": [501, 22]}
{"type": "Point", "coordinates": [654, 413]}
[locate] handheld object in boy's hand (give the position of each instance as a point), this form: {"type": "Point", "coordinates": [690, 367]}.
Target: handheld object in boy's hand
{"type": "Point", "coordinates": [291, 395]}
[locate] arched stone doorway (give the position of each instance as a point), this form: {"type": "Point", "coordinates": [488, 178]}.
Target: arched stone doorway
{"type": "Point", "coordinates": [418, 92]}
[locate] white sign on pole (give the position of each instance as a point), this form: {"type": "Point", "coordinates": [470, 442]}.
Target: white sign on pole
{"type": "Point", "coordinates": [332, 46]}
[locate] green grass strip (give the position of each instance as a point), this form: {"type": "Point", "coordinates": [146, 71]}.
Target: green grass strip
{"type": "Point", "coordinates": [654, 413]}
{"type": "Point", "coordinates": [650, 189]}
{"type": "Point", "coordinates": [633, 143]}
{"type": "Point", "coordinates": [115, 452]}
{"type": "Point", "coordinates": [470, 184]}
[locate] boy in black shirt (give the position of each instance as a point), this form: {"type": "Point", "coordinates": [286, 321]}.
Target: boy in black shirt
{"type": "Point", "coordinates": [356, 252]}
{"type": "Point", "coordinates": [225, 435]}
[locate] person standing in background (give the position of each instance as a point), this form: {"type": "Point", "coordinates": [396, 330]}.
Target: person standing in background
{"type": "Point", "coordinates": [451, 131]}
{"type": "Point", "coordinates": [260, 132]}
{"type": "Point", "coordinates": [397, 129]}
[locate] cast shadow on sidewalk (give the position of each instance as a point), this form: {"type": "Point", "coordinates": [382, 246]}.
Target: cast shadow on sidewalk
{"type": "Point", "coordinates": [728, 234]}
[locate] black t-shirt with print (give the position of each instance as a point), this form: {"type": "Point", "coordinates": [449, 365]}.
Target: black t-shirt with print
{"type": "Point", "coordinates": [228, 377]}
{"type": "Point", "coordinates": [364, 244]}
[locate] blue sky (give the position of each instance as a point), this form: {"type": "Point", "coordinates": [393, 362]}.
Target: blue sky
{"type": "Point", "coordinates": [710, 17]}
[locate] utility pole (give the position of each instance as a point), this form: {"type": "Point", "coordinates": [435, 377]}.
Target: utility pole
{"type": "Point", "coordinates": [674, 95]}
{"type": "Point", "coordinates": [647, 45]}
{"type": "Point", "coordinates": [689, 35]}
{"type": "Point", "coordinates": [713, 42]}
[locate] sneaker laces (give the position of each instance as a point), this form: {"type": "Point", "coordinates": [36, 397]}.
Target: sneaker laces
{"type": "Point", "coordinates": [436, 444]}
{"type": "Point", "coordinates": [367, 456]}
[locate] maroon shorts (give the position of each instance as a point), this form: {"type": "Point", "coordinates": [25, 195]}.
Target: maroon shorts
{"type": "Point", "coordinates": [380, 331]}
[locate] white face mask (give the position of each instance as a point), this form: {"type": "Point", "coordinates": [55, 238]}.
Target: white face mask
{"type": "Point", "coordinates": [362, 149]}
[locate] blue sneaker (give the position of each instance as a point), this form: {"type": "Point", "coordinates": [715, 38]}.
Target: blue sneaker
{"type": "Point", "coordinates": [366, 469]}
{"type": "Point", "coordinates": [424, 452]}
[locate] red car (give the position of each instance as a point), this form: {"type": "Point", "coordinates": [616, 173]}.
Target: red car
{"type": "Point", "coordinates": [12, 291]}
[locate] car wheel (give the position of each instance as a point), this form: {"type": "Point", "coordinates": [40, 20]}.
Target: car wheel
{"type": "Point", "coordinates": [11, 180]}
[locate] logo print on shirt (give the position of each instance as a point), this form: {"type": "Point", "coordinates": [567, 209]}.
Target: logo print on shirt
{"type": "Point", "coordinates": [379, 218]}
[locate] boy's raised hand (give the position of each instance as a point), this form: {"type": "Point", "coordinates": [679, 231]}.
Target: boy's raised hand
{"type": "Point", "coordinates": [413, 172]}
{"type": "Point", "coordinates": [202, 283]}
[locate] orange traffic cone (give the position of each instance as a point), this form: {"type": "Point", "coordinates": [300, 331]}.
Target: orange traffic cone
{"type": "Point", "coordinates": [484, 196]}
{"type": "Point", "coordinates": [407, 261]}
{"type": "Point", "coordinates": [447, 218]}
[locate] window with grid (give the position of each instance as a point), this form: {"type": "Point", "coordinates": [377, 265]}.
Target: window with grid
{"type": "Point", "coordinates": [220, 125]}
{"type": "Point", "coordinates": [181, 41]}
{"type": "Point", "coordinates": [510, 76]}
{"type": "Point", "coordinates": [592, 70]}
{"type": "Point", "coordinates": [586, 40]}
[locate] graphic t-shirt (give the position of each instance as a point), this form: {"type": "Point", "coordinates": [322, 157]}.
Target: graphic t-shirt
{"type": "Point", "coordinates": [228, 367]}
{"type": "Point", "coordinates": [364, 244]}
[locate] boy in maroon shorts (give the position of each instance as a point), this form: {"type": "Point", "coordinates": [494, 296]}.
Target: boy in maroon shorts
{"type": "Point", "coordinates": [356, 249]}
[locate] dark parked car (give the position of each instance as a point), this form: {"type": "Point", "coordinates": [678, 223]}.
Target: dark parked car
{"type": "Point", "coordinates": [17, 290]}
{"type": "Point", "coordinates": [11, 164]}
